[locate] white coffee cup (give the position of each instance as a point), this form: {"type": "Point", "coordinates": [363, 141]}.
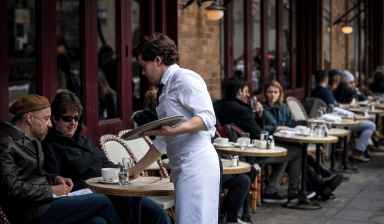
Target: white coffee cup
{"type": "Point", "coordinates": [221, 141]}
{"type": "Point", "coordinates": [110, 174]}
{"type": "Point", "coordinates": [302, 130]}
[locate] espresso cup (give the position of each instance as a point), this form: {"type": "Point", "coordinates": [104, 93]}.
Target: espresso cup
{"type": "Point", "coordinates": [221, 141]}
{"type": "Point", "coordinates": [110, 174]}
{"type": "Point", "coordinates": [302, 130]}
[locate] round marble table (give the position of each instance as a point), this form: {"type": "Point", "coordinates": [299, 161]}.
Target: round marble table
{"type": "Point", "coordinates": [303, 202]}
{"type": "Point", "coordinates": [138, 188]}
{"type": "Point", "coordinates": [277, 151]}
{"type": "Point", "coordinates": [243, 167]}
{"type": "Point", "coordinates": [343, 123]}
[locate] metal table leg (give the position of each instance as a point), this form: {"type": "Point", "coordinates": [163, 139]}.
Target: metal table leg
{"type": "Point", "coordinates": [344, 166]}
{"type": "Point", "coordinates": [333, 158]}
{"type": "Point", "coordinates": [303, 202]}
{"type": "Point", "coordinates": [136, 210]}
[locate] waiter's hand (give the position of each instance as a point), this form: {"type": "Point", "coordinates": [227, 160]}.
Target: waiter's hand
{"type": "Point", "coordinates": [165, 130]}
{"type": "Point", "coordinates": [133, 174]}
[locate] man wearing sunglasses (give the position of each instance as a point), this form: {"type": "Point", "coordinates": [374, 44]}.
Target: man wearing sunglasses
{"type": "Point", "coordinates": [26, 190]}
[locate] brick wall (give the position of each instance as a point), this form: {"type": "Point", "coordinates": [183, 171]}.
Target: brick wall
{"type": "Point", "coordinates": [199, 44]}
{"type": "Point", "coordinates": [338, 37]}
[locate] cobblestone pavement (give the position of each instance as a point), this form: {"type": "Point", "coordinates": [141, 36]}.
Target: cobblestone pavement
{"type": "Point", "coordinates": [361, 200]}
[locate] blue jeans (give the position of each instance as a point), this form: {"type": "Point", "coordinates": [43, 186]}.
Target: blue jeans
{"type": "Point", "coordinates": [151, 212]}
{"type": "Point", "coordinates": [366, 129]}
{"type": "Point", "coordinates": [90, 209]}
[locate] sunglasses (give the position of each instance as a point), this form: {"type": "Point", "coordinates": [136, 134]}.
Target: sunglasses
{"type": "Point", "coordinates": [70, 118]}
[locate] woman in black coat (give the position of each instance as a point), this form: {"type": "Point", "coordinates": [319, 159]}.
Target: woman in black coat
{"type": "Point", "coordinates": [68, 153]}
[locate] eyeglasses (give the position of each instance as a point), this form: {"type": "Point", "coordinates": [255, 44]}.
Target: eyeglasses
{"type": "Point", "coordinates": [70, 118]}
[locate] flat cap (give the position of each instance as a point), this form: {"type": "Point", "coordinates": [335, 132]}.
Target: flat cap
{"type": "Point", "coordinates": [29, 103]}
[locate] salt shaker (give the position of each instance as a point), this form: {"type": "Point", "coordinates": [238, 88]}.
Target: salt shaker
{"type": "Point", "coordinates": [268, 144]}
{"type": "Point", "coordinates": [354, 118]}
{"type": "Point", "coordinates": [235, 160]}
{"type": "Point", "coordinates": [272, 145]}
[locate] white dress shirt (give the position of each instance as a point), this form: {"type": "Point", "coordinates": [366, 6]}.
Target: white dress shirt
{"type": "Point", "coordinates": [192, 157]}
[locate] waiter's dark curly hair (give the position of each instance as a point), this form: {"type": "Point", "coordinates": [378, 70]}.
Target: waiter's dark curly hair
{"type": "Point", "coordinates": [157, 45]}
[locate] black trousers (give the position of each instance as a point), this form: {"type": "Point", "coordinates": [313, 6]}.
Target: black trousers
{"type": "Point", "coordinates": [238, 193]}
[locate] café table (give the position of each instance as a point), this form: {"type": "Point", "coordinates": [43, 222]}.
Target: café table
{"type": "Point", "coordinates": [359, 117]}
{"type": "Point", "coordinates": [377, 112]}
{"type": "Point", "coordinates": [138, 188]}
{"type": "Point", "coordinates": [243, 167]}
{"type": "Point", "coordinates": [303, 202]}
{"type": "Point", "coordinates": [344, 166]}
{"type": "Point", "coordinates": [254, 152]}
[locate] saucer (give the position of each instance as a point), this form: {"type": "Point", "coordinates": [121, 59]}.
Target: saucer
{"type": "Point", "coordinates": [107, 181]}
{"type": "Point", "coordinates": [237, 145]}
{"type": "Point", "coordinates": [222, 146]}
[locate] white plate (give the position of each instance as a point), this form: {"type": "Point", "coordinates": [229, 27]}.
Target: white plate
{"type": "Point", "coordinates": [222, 146]}
{"type": "Point", "coordinates": [107, 182]}
{"type": "Point", "coordinates": [134, 134]}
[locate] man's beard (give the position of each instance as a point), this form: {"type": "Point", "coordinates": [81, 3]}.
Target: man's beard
{"type": "Point", "coordinates": [37, 134]}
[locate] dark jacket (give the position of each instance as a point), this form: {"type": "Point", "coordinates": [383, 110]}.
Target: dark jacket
{"type": "Point", "coordinates": [377, 88]}
{"type": "Point", "coordinates": [344, 94]}
{"type": "Point", "coordinates": [76, 158]}
{"type": "Point", "coordinates": [277, 115]}
{"type": "Point", "coordinates": [323, 94]}
{"type": "Point", "coordinates": [235, 111]}
{"type": "Point", "coordinates": [25, 188]}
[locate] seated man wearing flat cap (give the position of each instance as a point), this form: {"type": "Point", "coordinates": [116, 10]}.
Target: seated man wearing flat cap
{"type": "Point", "coordinates": [26, 190]}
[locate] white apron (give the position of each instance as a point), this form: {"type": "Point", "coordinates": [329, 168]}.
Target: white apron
{"type": "Point", "coordinates": [192, 157]}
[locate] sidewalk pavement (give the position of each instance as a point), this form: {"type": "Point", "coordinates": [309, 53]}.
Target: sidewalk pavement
{"type": "Point", "coordinates": [361, 200]}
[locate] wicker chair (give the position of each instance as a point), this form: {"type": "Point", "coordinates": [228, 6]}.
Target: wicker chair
{"type": "Point", "coordinates": [3, 217]}
{"type": "Point", "coordinates": [139, 148]}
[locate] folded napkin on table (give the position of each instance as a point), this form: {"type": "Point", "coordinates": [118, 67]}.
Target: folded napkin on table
{"type": "Point", "coordinates": [343, 112]}
{"type": "Point", "coordinates": [331, 117]}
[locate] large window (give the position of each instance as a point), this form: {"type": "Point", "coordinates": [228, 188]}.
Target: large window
{"type": "Point", "coordinates": [136, 32]}
{"type": "Point", "coordinates": [286, 46]}
{"type": "Point", "coordinates": [108, 73]}
{"type": "Point", "coordinates": [22, 74]}
{"type": "Point", "coordinates": [327, 33]}
{"type": "Point", "coordinates": [68, 46]}
{"type": "Point", "coordinates": [257, 78]}
{"type": "Point", "coordinates": [238, 38]}
{"type": "Point", "coordinates": [272, 39]}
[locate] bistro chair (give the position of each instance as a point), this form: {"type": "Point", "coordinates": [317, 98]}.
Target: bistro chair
{"type": "Point", "coordinates": [139, 148]}
{"type": "Point", "coordinates": [3, 217]}
{"type": "Point", "coordinates": [297, 109]}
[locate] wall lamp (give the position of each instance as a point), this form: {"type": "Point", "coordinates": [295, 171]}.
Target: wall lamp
{"type": "Point", "coordinates": [347, 28]}
{"type": "Point", "coordinates": [215, 10]}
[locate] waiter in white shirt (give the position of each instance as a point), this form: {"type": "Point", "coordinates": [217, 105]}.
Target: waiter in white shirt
{"type": "Point", "coordinates": [192, 158]}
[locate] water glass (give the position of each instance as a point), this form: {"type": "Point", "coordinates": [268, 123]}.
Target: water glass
{"type": "Point", "coordinates": [313, 129]}
{"type": "Point", "coordinates": [123, 168]}
{"type": "Point", "coordinates": [245, 141]}
{"type": "Point", "coordinates": [328, 127]}
{"type": "Point", "coordinates": [331, 108]}
{"type": "Point", "coordinates": [254, 103]}
{"type": "Point", "coordinates": [264, 135]}
{"type": "Point", "coordinates": [319, 113]}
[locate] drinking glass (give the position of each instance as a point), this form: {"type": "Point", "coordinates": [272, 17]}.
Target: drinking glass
{"type": "Point", "coordinates": [245, 140]}
{"type": "Point", "coordinates": [123, 168]}
{"type": "Point", "coordinates": [355, 99]}
{"type": "Point", "coordinates": [321, 130]}
{"type": "Point", "coordinates": [264, 135]}
{"type": "Point", "coordinates": [319, 113]}
{"type": "Point", "coordinates": [313, 129]}
{"type": "Point", "coordinates": [328, 127]}
{"type": "Point", "coordinates": [331, 108]}
{"type": "Point", "coordinates": [254, 103]}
